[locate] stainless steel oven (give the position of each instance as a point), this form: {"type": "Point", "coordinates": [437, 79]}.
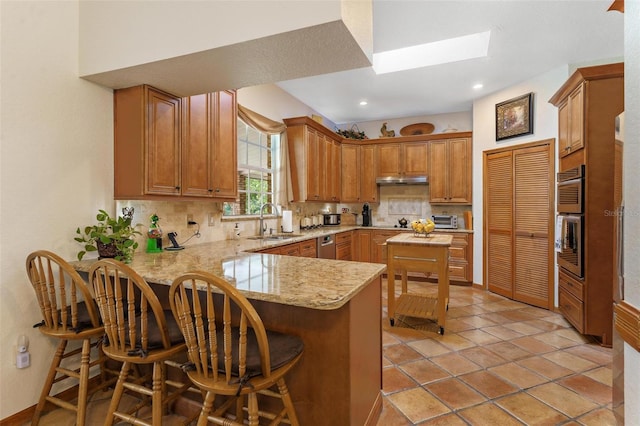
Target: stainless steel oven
{"type": "Point", "coordinates": [570, 255]}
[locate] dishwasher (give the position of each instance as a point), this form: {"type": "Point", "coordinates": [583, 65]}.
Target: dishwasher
{"type": "Point", "coordinates": [326, 247]}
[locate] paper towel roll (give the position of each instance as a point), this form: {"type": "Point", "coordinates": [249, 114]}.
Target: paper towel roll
{"type": "Point", "coordinates": [287, 221]}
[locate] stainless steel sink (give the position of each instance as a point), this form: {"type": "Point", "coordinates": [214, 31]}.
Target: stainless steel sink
{"type": "Point", "coordinates": [275, 237]}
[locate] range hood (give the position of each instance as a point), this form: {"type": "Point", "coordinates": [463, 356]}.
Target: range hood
{"type": "Point", "coordinates": [405, 180]}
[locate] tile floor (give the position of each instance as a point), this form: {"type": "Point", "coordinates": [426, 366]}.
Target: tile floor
{"type": "Point", "coordinates": [499, 362]}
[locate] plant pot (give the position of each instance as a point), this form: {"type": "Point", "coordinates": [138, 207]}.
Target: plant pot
{"type": "Point", "coordinates": [107, 250]}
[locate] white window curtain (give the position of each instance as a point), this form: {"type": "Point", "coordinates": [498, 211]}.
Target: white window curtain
{"type": "Point", "coordinates": [283, 191]}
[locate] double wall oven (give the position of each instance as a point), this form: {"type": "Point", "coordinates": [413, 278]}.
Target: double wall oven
{"type": "Point", "coordinates": [571, 212]}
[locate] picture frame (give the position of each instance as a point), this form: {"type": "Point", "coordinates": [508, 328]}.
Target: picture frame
{"type": "Point", "coordinates": [514, 117]}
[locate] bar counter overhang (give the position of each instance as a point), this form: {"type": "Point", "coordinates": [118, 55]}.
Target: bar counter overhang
{"type": "Point", "coordinates": [334, 306]}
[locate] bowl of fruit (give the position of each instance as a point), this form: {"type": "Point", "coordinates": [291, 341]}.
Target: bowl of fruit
{"type": "Point", "coordinates": [422, 227]}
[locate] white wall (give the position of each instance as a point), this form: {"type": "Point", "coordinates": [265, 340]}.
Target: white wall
{"type": "Point", "coordinates": [545, 126]}
{"type": "Point", "coordinates": [632, 200]}
{"type": "Point", "coordinates": [56, 170]}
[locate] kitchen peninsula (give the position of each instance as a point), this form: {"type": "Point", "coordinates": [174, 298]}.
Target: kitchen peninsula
{"type": "Point", "coordinates": [334, 306]}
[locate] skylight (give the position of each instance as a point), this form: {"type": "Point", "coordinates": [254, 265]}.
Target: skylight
{"type": "Point", "coordinates": [439, 52]}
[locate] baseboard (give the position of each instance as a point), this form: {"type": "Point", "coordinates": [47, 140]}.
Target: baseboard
{"type": "Point", "coordinates": [26, 415]}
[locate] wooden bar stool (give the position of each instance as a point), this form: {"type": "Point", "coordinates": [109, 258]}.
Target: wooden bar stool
{"type": "Point", "coordinates": [68, 313]}
{"type": "Point", "coordinates": [137, 332]}
{"type": "Point", "coordinates": [230, 352]}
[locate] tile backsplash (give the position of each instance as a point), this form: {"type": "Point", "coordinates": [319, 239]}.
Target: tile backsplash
{"type": "Point", "coordinates": [396, 202]}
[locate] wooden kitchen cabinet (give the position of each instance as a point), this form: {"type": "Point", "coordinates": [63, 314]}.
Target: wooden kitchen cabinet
{"type": "Point", "coordinates": [460, 257]}
{"type": "Point", "coordinates": [209, 153]}
{"type": "Point", "coordinates": [378, 240]}
{"type": "Point", "coordinates": [167, 146]}
{"type": "Point", "coordinates": [309, 248]}
{"type": "Point", "coordinates": [571, 122]}
{"type": "Point", "coordinates": [358, 174]}
{"type": "Point", "coordinates": [588, 104]}
{"type": "Point", "coordinates": [344, 245]}
{"type": "Point", "coordinates": [314, 160]}
{"type": "Point", "coordinates": [450, 171]}
{"type": "Point", "coordinates": [363, 245]}
{"type": "Point", "coordinates": [147, 136]}
{"type": "Point", "coordinates": [402, 159]}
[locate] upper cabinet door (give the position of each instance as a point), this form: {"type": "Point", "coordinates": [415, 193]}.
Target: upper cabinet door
{"type": "Point", "coordinates": [209, 150]}
{"type": "Point", "coordinates": [415, 159]}
{"type": "Point", "coordinates": [450, 171]}
{"type": "Point", "coordinates": [163, 143]}
{"type": "Point", "coordinates": [224, 178]}
{"type": "Point", "coordinates": [389, 160]}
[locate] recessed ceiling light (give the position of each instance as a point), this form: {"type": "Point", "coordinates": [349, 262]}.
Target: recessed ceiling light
{"type": "Point", "coordinates": [439, 52]}
{"type": "Point", "coordinates": [363, 103]}
{"type": "Point", "coordinates": [478, 86]}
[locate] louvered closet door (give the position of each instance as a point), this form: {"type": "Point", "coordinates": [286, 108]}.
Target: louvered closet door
{"type": "Point", "coordinates": [499, 220]}
{"type": "Point", "coordinates": [533, 282]}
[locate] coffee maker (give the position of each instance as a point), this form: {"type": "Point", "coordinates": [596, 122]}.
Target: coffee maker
{"type": "Point", "coordinates": [366, 215]}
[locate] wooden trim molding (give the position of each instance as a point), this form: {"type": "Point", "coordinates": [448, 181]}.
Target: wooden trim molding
{"type": "Point", "coordinates": [626, 318]}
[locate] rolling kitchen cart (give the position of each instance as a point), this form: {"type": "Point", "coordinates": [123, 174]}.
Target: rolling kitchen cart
{"type": "Point", "coordinates": [418, 253]}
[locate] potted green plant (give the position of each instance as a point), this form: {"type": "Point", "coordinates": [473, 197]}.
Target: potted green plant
{"type": "Point", "coordinates": [110, 237]}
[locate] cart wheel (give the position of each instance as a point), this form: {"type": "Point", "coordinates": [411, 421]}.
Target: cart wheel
{"type": "Point", "coordinates": [441, 331]}
{"type": "Point", "coordinates": [391, 321]}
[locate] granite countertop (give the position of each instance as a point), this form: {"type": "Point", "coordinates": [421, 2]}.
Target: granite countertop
{"type": "Point", "coordinates": [436, 240]}
{"type": "Point", "coordinates": [299, 281]}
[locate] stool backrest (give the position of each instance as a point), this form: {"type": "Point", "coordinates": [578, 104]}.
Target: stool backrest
{"type": "Point", "coordinates": [129, 308]}
{"type": "Point", "coordinates": [217, 327]}
{"type": "Point", "coordinates": [64, 298]}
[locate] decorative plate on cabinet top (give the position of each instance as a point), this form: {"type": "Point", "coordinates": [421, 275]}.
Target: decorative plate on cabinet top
{"type": "Point", "coordinates": [417, 129]}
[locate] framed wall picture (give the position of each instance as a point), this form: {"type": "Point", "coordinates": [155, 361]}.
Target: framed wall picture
{"type": "Point", "coordinates": [514, 117]}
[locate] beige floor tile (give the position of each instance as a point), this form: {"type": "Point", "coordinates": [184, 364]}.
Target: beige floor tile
{"type": "Point", "coordinates": [545, 368]}
{"type": "Point", "coordinates": [429, 347]}
{"type": "Point", "coordinates": [593, 353]}
{"type": "Point", "coordinates": [418, 405]}
{"type": "Point", "coordinates": [570, 361]}
{"type": "Point", "coordinates": [589, 388]}
{"type": "Point", "coordinates": [530, 411]}
{"type": "Point", "coordinates": [503, 332]}
{"type": "Point", "coordinates": [424, 371]}
{"type": "Point", "coordinates": [603, 375]}
{"type": "Point", "coordinates": [455, 364]}
{"type": "Point", "coordinates": [599, 417]}
{"type": "Point", "coordinates": [479, 337]}
{"type": "Point", "coordinates": [455, 342]}
{"type": "Point", "coordinates": [508, 351]}
{"type": "Point", "coordinates": [455, 393]}
{"type": "Point", "coordinates": [399, 354]}
{"type": "Point", "coordinates": [555, 339]}
{"type": "Point", "coordinates": [562, 399]}
{"type": "Point", "coordinates": [517, 375]}
{"type": "Point", "coordinates": [523, 328]}
{"type": "Point", "coordinates": [533, 345]}
{"type": "Point", "coordinates": [445, 420]}
{"type": "Point", "coordinates": [488, 384]}
{"type": "Point", "coordinates": [488, 414]}
{"type": "Point", "coordinates": [394, 380]}
{"type": "Point", "coordinates": [482, 356]}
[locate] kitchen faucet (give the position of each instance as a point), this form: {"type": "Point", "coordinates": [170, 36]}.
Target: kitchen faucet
{"type": "Point", "coordinates": [274, 208]}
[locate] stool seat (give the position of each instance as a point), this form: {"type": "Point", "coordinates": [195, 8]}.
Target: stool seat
{"type": "Point", "coordinates": [231, 355]}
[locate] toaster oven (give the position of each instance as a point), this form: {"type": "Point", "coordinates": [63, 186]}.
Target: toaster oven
{"type": "Point", "coordinates": [444, 221]}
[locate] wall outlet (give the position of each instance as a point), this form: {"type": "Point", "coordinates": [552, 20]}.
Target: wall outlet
{"type": "Point", "coordinates": [190, 221]}
{"type": "Point", "coordinates": [212, 219]}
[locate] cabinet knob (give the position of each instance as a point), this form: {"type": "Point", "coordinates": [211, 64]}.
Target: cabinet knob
{"type": "Point", "coordinates": [217, 189]}
{"type": "Point", "coordinates": [178, 188]}
{"type": "Point", "coordinates": [209, 190]}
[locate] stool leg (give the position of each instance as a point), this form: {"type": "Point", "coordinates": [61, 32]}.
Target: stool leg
{"type": "Point", "coordinates": [288, 403]}
{"type": "Point", "coordinates": [83, 386]}
{"type": "Point", "coordinates": [207, 405]}
{"type": "Point", "coordinates": [252, 405]}
{"type": "Point", "coordinates": [157, 386]}
{"type": "Point", "coordinates": [48, 384]}
{"type": "Point", "coordinates": [117, 393]}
